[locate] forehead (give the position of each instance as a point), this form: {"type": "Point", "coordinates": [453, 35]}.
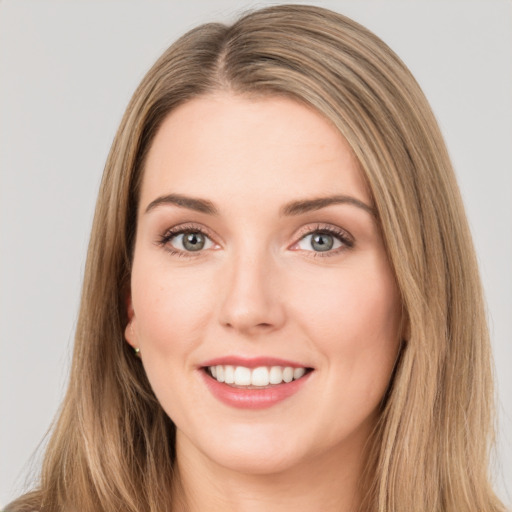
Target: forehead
{"type": "Point", "coordinates": [225, 146]}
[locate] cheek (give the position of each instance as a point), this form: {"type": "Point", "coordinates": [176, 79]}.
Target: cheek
{"type": "Point", "coordinates": [171, 312]}
{"type": "Point", "coordinates": [353, 318]}
{"type": "Point", "coordinates": [171, 309]}
{"type": "Point", "coordinates": [352, 305]}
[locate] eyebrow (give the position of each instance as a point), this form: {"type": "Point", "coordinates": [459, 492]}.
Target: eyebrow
{"type": "Point", "coordinates": [192, 203]}
{"type": "Point", "coordinates": [309, 205]}
{"type": "Point", "coordinates": [289, 209]}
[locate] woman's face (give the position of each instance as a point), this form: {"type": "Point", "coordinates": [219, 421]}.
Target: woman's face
{"type": "Point", "coordinates": [258, 260]}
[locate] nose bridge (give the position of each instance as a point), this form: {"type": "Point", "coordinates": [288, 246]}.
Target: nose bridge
{"type": "Point", "coordinates": [251, 298]}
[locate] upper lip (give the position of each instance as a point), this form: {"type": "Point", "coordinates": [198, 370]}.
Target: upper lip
{"type": "Point", "coordinates": [252, 362]}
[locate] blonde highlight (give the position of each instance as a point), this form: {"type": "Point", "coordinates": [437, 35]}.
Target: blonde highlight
{"type": "Point", "coordinates": [430, 449]}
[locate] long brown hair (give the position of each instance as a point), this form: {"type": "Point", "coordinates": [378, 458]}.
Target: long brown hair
{"type": "Point", "coordinates": [112, 447]}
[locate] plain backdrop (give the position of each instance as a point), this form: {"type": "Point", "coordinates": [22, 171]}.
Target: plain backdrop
{"type": "Point", "coordinates": [67, 71]}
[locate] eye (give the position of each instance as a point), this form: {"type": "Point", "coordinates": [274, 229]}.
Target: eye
{"type": "Point", "coordinates": [326, 240]}
{"type": "Point", "coordinates": [191, 241]}
{"type": "Point", "coordinates": [182, 240]}
{"type": "Point", "coordinates": [319, 242]}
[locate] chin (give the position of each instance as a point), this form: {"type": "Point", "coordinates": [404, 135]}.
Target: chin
{"type": "Point", "coordinates": [250, 461]}
{"type": "Point", "coordinates": [252, 450]}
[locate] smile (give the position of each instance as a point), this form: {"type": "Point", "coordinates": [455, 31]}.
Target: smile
{"type": "Point", "coordinates": [254, 383]}
{"type": "Point", "coordinates": [254, 378]}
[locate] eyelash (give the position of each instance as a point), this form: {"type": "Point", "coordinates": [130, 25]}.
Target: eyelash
{"type": "Point", "coordinates": [179, 230]}
{"type": "Point", "coordinates": [340, 234]}
{"type": "Point", "coordinates": [322, 229]}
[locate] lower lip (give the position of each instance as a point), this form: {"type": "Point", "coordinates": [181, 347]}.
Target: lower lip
{"type": "Point", "coordinates": [253, 398]}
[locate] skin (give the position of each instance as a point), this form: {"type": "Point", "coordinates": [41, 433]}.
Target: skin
{"type": "Point", "coordinates": [259, 288]}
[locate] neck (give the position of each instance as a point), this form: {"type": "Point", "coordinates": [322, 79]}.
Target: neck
{"type": "Point", "coordinates": [327, 482]}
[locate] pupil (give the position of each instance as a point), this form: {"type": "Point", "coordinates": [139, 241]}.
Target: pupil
{"type": "Point", "coordinates": [193, 241]}
{"type": "Point", "coordinates": [322, 242]}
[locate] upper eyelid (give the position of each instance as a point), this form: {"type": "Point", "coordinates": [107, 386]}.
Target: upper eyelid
{"type": "Point", "coordinates": [188, 227]}
{"type": "Point", "coordinates": [328, 228]}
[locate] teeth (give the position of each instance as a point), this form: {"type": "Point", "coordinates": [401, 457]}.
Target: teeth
{"type": "Point", "coordinates": [276, 375]}
{"type": "Point", "coordinates": [288, 374]}
{"type": "Point", "coordinates": [259, 377]}
{"type": "Point", "coordinates": [229, 374]}
{"type": "Point", "coordinates": [298, 373]}
{"type": "Point", "coordinates": [242, 376]}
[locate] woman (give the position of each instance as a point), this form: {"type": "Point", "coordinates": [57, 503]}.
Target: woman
{"type": "Point", "coordinates": [281, 306]}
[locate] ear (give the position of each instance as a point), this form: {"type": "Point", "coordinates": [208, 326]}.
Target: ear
{"type": "Point", "coordinates": [129, 333]}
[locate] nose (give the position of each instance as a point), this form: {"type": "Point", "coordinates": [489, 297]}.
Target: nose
{"type": "Point", "coordinates": [251, 300]}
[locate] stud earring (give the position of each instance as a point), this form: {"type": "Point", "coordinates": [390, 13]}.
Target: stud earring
{"type": "Point", "coordinates": [137, 351]}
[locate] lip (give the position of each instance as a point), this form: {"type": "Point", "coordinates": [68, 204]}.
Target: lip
{"type": "Point", "coordinates": [252, 362]}
{"type": "Point", "coordinates": [244, 398]}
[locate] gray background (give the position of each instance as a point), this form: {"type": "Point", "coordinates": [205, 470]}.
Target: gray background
{"type": "Point", "coordinates": [67, 70]}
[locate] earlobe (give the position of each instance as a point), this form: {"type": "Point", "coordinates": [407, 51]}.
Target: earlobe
{"type": "Point", "coordinates": [129, 335]}
{"type": "Point", "coordinates": [130, 314]}
{"type": "Point", "coordinates": [129, 330]}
